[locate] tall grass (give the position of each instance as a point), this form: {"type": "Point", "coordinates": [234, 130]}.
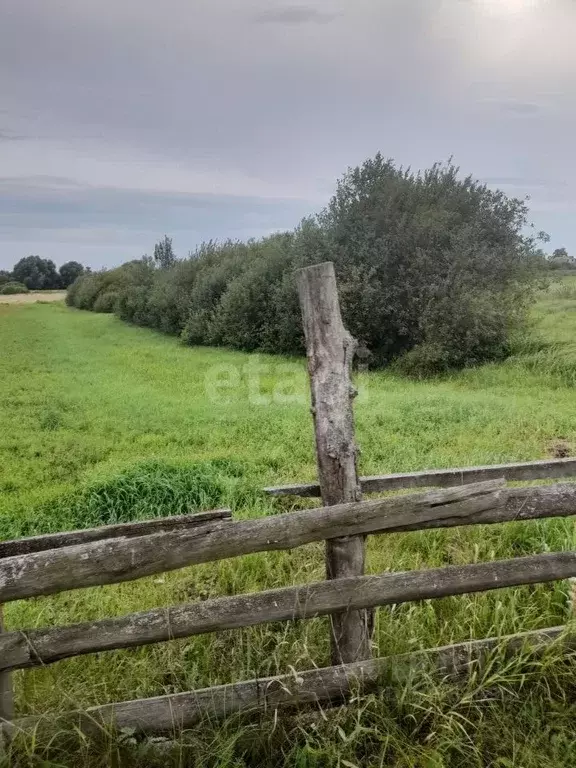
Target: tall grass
{"type": "Point", "coordinates": [563, 289]}
{"type": "Point", "coordinates": [103, 422]}
{"type": "Point", "coordinates": [148, 489]}
{"type": "Point", "coordinates": [518, 712]}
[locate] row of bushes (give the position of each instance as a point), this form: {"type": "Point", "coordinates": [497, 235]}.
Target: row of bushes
{"type": "Point", "coordinates": [434, 272]}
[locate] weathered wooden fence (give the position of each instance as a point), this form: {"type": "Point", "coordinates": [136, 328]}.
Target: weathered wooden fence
{"type": "Point", "coordinates": [45, 565]}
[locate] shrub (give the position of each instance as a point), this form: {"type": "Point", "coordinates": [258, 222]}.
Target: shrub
{"type": "Point", "coordinates": [72, 292]}
{"type": "Point", "coordinates": [421, 258]}
{"type": "Point", "coordinates": [245, 317]}
{"type": "Point", "coordinates": [217, 267]}
{"type": "Point", "coordinates": [105, 302]}
{"type": "Point", "coordinates": [168, 301]}
{"type": "Point", "coordinates": [9, 289]}
{"type": "Point", "coordinates": [434, 272]}
{"type": "Point", "coordinates": [84, 290]}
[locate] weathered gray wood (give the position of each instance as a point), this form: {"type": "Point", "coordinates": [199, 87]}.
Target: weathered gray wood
{"type": "Point", "coordinates": [330, 351]}
{"type": "Point", "coordinates": [122, 560]}
{"type": "Point", "coordinates": [172, 713]}
{"type": "Point", "coordinates": [531, 503]}
{"type": "Point", "coordinates": [6, 692]}
{"type": "Point", "coordinates": [135, 528]}
{"type": "Point", "coordinates": [444, 478]}
{"type": "Point", "coordinates": [37, 647]}
{"type": "Point", "coordinates": [117, 560]}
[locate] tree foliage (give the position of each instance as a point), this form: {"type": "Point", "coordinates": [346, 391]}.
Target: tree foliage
{"type": "Point", "coordinates": [434, 270]}
{"type": "Point", "coordinates": [560, 259]}
{"type": "Point", "coordinates": [39, 274]}
{"type": "Point", "coordinates": [164, 253]}
{"type": "Point", "coordinates": [69, 272]}
{"type": "Point", "coordinates": [36, 273]}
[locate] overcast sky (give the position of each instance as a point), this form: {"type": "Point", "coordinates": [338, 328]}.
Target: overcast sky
{"type": "Point", "coordinates": [121, 120]}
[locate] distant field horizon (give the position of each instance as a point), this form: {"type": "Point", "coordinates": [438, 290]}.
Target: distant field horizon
{"type": "Point", "coordinates": [33, 297]}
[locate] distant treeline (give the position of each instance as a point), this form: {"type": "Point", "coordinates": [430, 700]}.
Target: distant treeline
{"type": "Point", "coordinates": [34, 273]}
{"type": "Point", "coordinates": [435, 272]}
{"type": "Point", "coordinates": [560, 259]}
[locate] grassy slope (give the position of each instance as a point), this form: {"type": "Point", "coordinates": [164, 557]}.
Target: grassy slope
{"type": "Point", "coordinates": [85, 397]}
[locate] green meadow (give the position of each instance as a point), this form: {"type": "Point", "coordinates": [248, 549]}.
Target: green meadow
{"type": "Point", "coordinates": [104, 422]}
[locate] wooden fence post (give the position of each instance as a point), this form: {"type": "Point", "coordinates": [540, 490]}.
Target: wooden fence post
{"type": "Point", "coordinates": [330, 350]}
{"type": "Point", "coordinates": [6, 696]}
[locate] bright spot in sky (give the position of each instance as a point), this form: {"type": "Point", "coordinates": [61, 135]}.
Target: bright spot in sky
{"type": "Point", "coordinates": [507, 7]}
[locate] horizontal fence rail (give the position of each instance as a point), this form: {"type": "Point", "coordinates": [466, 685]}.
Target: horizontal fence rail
{"type": "Point", "coordinates": [175, 712]}
{"type": "Point", "coordinates": [117, 560]}
{"type": "Point", "coordinates": [444, 478]}
{"type": "Point", "coordinates": [46, 565]}
{"type": "Point", "coordinates": [214, 536]}
{"type": "Point", "coordinates": [37, 647]}
{"type": "Point", "coordinates": [47, 541]}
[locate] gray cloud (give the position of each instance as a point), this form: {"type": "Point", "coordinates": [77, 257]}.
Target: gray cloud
{"type": "Point", "coordinates": [64, 211]}
{"type": "Point", "coordinates": [49, 205]}
{"type": "Point", "coordinates": [519, 107]}
{"type": "Point", "coordinates": [10, 136]}
{"type": "Point", "coordinates": [293, 15]}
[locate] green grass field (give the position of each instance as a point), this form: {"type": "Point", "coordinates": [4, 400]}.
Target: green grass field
{"type": "Point", "coordinates": [104, 422]}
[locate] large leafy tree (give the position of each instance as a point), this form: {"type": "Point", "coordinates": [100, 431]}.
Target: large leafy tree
{"type": "Point", "coordinates": [36, 273]}
{"type": "Point", "coordinates": [430, 263]}
{"type": "Point", "coordinates": [69, 272]}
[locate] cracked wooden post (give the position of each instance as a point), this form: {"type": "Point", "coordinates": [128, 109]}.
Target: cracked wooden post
{"type": "Point", "coordinates": [6, 695]}
{"type": "Point", "coordinates": [330, 350]}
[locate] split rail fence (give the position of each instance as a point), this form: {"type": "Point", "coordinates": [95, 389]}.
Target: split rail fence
{"type": "Point", "coordinates": [46, 565]}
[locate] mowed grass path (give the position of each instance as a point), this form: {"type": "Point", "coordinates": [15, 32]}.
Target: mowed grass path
{"type": "Point", "coordinates": [85, 398]}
